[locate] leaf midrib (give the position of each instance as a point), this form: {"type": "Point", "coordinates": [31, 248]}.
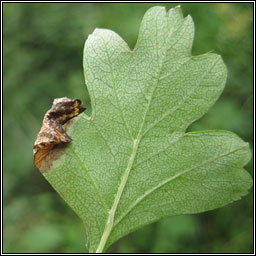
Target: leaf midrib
{"type": "Point", "coordinates": [110, 220]}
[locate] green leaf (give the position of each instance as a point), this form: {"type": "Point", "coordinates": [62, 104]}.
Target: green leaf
{"type": "Point", "coordinates": [131, 162]}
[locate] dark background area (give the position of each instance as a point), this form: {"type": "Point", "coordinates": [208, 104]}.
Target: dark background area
{"type": "Point", "coordinates": [43, 50]}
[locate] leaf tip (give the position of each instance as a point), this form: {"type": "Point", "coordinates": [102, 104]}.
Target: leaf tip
{"type": "Point", "coordinates": [189, 19]}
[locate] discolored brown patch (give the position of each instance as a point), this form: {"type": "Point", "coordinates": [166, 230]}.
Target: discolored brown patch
{"type": "Point", "coordinates": [52, 138]}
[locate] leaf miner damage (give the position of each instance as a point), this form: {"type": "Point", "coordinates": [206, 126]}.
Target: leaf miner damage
{"type": "Point", "coordinates": [52, 138]}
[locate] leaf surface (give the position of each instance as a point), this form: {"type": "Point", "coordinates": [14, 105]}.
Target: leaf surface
{"type": "Point", "coordinates": [131, 162]}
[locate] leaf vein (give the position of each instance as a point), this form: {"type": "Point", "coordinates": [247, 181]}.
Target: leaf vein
{"type": "Point", "coordinates": [118, 100]}
{"type": "Point", "coordinates": [176, 107]}
{"type": "Point", "coordinates": [79, 161]}
{"type": "Point", "coordinates": [150, 191]}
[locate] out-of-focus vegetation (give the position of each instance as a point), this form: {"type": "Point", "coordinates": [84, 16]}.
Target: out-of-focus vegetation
{"type": "Point", "coordinates": [43, 47]}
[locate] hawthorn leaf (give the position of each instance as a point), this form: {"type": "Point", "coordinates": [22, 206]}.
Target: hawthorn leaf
{"type": "Point", "coordinates": [131, 162]}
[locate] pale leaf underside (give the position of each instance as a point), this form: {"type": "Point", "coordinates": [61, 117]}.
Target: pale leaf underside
{"type": "Point", "coordinates": [131, 162]}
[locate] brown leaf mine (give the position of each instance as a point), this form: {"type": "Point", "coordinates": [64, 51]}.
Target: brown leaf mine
{"type": "Point", "coordinates": [52, 137]}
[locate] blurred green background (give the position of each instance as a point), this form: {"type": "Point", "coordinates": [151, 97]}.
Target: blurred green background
{"type": "Point", "coordinates": [42, 50]}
